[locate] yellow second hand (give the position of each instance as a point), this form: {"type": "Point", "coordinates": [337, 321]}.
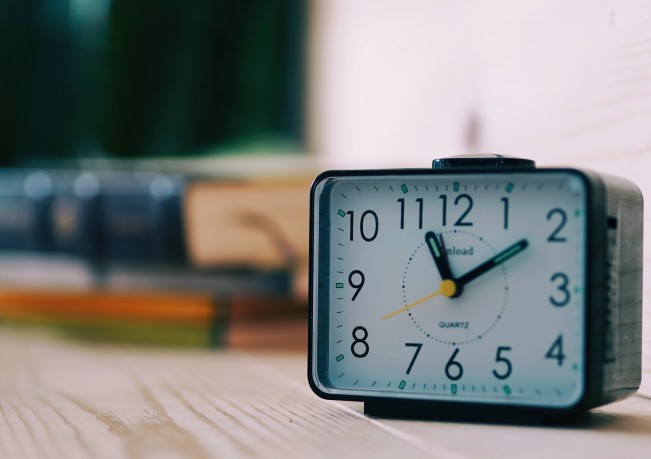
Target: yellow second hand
{"type": "Point", "coordinates": [447, 288]}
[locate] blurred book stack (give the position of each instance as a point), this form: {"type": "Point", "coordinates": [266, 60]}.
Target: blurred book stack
{"type": "Point", "coordinates": [153, 257]}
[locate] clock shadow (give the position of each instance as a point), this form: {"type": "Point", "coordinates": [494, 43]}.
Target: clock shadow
{"type": "Point", "coordinates": [631, 416]}
{"type": "Point", "coordinates": [629, 422]}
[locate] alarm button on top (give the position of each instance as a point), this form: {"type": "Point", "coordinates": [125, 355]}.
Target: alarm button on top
{"type": "Point", "coordinates": [488, 161]}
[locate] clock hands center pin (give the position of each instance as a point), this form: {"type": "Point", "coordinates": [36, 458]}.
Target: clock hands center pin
{"type": "Point", "coordinates": [453, 287]}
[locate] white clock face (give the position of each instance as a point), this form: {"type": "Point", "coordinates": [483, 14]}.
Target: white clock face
{"type": "Point", "coordinates": [463, 287]}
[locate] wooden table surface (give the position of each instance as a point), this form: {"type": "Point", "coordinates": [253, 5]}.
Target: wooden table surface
{"type": "Point", "coordinates": [61, 398]}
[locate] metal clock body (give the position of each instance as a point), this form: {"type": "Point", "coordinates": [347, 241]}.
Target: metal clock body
{"type": "Point", "coordinates": [479, 289]}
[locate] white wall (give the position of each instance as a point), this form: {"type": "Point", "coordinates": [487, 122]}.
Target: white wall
{"type": "Point", "coordinates": [398, 83]}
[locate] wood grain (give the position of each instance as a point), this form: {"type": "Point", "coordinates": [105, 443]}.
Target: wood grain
{"type": "Point", "coordinates": [72, 400]}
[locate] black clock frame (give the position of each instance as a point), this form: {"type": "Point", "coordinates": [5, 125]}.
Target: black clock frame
{"type": "Point", "coordinates": [613, 298]}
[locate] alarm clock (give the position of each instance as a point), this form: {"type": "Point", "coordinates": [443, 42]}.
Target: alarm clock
{"type": "Point", "coordinates": [481, 288]}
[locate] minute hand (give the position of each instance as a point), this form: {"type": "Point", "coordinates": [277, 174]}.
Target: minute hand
{"type": "Point", "coordinates": [492, 262]}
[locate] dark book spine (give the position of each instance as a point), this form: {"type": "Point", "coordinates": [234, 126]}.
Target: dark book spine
{"type": "Point", "coordinates": [25, 201]}
{"type": "Point", "coordinates": [104, 217]}
{"type": "Point", "coordinates": [74, 216]}
{"type": "Point", "coordinates": [141, 220]}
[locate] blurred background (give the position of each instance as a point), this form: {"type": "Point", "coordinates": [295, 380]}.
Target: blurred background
{"type": "Point", "coordinates": [201, 93]}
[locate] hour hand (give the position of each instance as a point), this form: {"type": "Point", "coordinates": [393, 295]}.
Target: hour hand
{"type": "Point", "coordinates": [440, 256]}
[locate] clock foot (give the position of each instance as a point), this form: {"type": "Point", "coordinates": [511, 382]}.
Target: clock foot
{"type": "Point", "coordinates": [441, 411]}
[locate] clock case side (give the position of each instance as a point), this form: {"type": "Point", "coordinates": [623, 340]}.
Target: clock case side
{"type": "Point", "coordinates": [614, 341]}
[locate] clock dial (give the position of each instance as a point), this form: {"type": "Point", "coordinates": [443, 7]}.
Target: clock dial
{"type": "Point", "coordinates": [465, 287]}
{"type": "Point", "coordinates": [463, 315]}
